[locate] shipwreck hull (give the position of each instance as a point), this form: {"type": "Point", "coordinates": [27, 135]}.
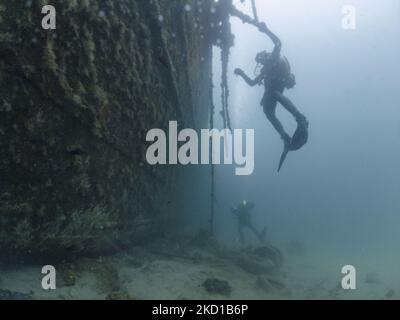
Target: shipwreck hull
{"type": "Point", "coordinates": [75, 106]}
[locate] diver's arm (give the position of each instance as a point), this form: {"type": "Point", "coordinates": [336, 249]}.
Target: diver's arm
{"type": "Point", "coordinates": [261, 26]}
{"type": "Point", "coordinates": [277, 42]}
{"type": "Point", "coordinates": [246, 78]}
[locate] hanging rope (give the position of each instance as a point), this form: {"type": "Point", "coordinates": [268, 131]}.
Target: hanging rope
{"type": "Point", "coordinates": [254, 7]}
{"type": "Point", "coordinates": [212, 195]}
{"type": "Point", "coordinates": [245, 18]}
{"type": "Point", "coordinates": [225, 42]}
{"type": "Point", "coordinates": [224, 39]}
{"type": "Point", "coordinates": [225, 88]}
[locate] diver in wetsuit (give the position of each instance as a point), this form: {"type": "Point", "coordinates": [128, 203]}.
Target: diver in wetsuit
{"type": "Point", "coordinates": [243, 213]}
{"type": "Point", "coordinates": [276, 75]}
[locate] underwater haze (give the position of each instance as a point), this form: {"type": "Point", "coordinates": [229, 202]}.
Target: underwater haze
{"type": "Point", "coordinates": [339, 196]}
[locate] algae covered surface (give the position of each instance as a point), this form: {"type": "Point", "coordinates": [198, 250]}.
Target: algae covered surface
{"type": "Point", "coordinates": [75, 106]}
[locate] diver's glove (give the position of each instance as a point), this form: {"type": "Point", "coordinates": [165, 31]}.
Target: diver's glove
{"type": "Point", "coordinates": [238, 72]}
{"type": "Point", "coordinates": [263, 27]}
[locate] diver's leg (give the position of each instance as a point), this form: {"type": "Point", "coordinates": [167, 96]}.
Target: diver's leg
{"type": "Point", "coordinates": [241, 234]}
{"type": "Point", "coordinates": [263, 234]}
{"type": "Point", "coordinates": [289, 106]}
{"type": "Point", "coordinates": [269, 104]}
{"type": "Point", "coordinates": [259, 235]}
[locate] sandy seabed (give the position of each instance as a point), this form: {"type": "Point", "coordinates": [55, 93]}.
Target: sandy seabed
{"type": "Point", "coordinates": [179, 270]}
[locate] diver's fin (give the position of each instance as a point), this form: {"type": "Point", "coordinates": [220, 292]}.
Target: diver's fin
{"type": "Point", "coordinates": [300, 136]}
{"type": "Point", "coordinates": [298, 140]}
{"type": "Point", "coordinates": [284, 155]}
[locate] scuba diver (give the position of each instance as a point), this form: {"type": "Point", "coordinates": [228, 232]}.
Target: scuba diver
{"type": "Point", "coordinates": [243, 213]}
{"type": "Point", "coordinates": [276, 76]}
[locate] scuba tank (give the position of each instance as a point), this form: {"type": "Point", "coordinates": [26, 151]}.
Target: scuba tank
{"type": "Point", "coordinates": [289, 79]}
